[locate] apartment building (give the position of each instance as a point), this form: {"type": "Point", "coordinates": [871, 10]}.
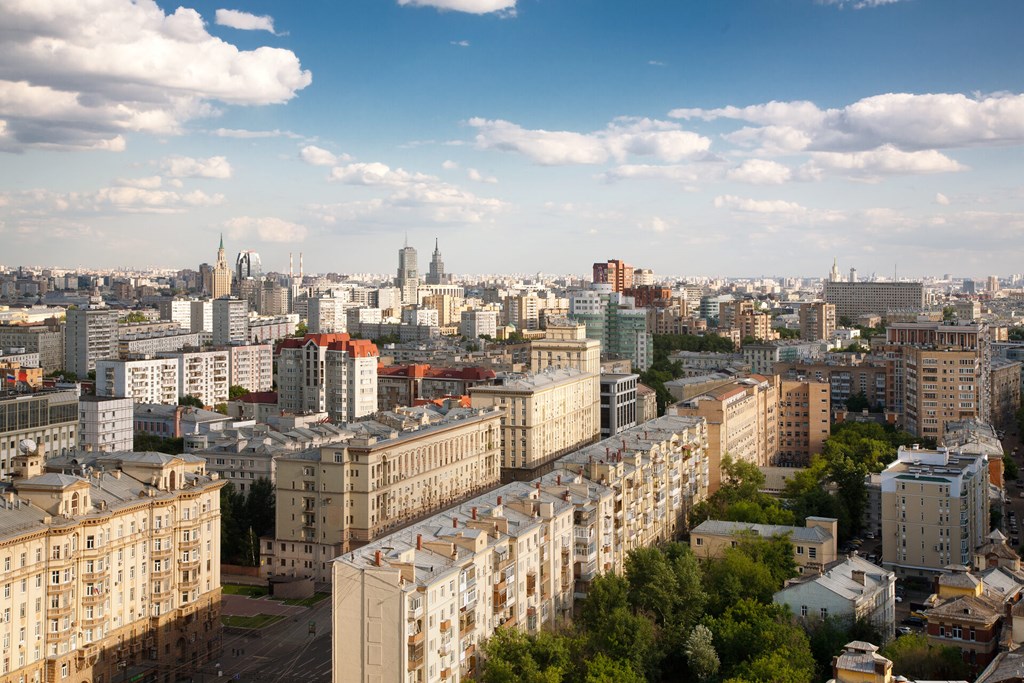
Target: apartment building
{"type": "Point", "coordinates": [814, 545]}
{"type": "Point", "coordinates": [475, 324]}
{"type": "Point", "coordinates": [935, 509]}
{"type": "Point", "coordinates": [852, 589]}
{"type": "Point", "coordinates": [251, 366]}
{"type": "Point", "coordinates": [565, 345]}
{"type": "Point", "coordinates": [763, 357]}
{"type": "Point", "coordinates": [817, 320]}
{"type": "Point", "coordinates": [135, 343]}
{"type": "Point", "coordinates": [46, 339]}
{"type": "Point", "coordinates": [328, 373]}
{"type": "Point", "coordinates": [805, 413]}
{"type": "Point", "coordinates": [854, 376]}
{"type": "Point", "coordinates": [967, 617]}
{"type": "Point", "coordinates": [48, 418]}
{"type": "Point", "coordinates": [90, 334]}
{"type": "Point", "coordinates": [267, 329]}
{"type": "Point", "coordinates": [112, 567]}
{"type": "Point", "coordinates": [230, 321]}
{"type": "Point", "coordinates": [853, 299]}
{"type": "Point", "coordinates": [327, 314]}
{"type": "Point", "coordinates": [430, 595]}
{"type": "Point", "coordinates": [341, 496]}
{"type": "Point", "coordinates": [202, 374]}
{"type": "Point", "coordinates": [547, 415]}
{"type": "Point", "coordinates": [743, 422]}
{"type": "Point", "coordinates": [403, 385]}
{"type": "Point", "coordinates": [614, 272]}
{"type": "Point", "coordinates": [1004, 389]}
{"type": "Point", "coordinates": [105, 424]}
{"type": "Point", "coordinates": [618, 402]}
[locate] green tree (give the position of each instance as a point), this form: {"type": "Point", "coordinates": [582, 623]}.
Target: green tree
{"type": "Point", "coordinates": [914, 658]}
{"type": "Point", "coordinates": [857, 403]}
{"type": "Point", "coordinates": [828, 637]}
{"type": "Point", "coordinates": [652, 584]}
{"type": "Point", "coordinates": [149, 442]}
{"type": "Point", "coordinates": [260, 504]}
{"type": "Point", "coordinates": [512, 656]}
{"type": "Point", "coordinates": [735, 577]}
{"type": "Point", "coordinates": [1009, 467]}
{"type": "Point", "coordinates": [603, 669]}
{"type": "Point", "coordinates": [758, 641]}
{"type": "Point", "coordinates": [134, 317]}
{"type": "Point", "coordinates": [235, 392]}
{"type": "Point", "coordinates": [301, 329]}
{"type": "Point", "coordinates": [190, 400]}
{"type": "Point", "coordinates": [700, 653]}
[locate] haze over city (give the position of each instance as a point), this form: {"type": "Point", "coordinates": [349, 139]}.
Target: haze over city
{"type": "Point", "coordinates": [738, 138]}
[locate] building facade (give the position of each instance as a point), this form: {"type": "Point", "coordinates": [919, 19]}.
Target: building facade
{"type": "Point", "coordinates": [853, 299]}
{"type": "Point", "coordinates": [817, 320]}
{"type": "Point", "coordinates": [805, 418]}
{"type": "Point", "coordinates": [328, 373]}
{"type": "Point", "coordinates": [48, 418]}
{"type": "Point", "coordinates": [814, 545]}
{"type": "Point", "coordinates": [252, 366]}
{"type": "Point", "coordinates": [90, 334]}
{"type": "Point", "coordinates": [105, 424]}
{"type": "Point", "coordinates": [618, 402]}
{"type": "Point", "coordinates": [230, 321]}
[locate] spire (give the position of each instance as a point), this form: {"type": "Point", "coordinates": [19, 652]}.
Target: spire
{"type": "Point", "coordinates": [222, 240]}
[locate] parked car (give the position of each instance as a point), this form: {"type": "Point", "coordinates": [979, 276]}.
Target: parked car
{"type": "Point", "coordinates": [870, 534]}
{"type": "Point", "coordinates": [913, 621]}
{"type": "Point", "coordinates": [904, 630]}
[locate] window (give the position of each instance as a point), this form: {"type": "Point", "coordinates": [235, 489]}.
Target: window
{"type": "Point", "coordinates": [803, 610]}
{"type": "Point", "coordinates": [824, 612]}
{"type": "Point", "coordinates": [812, 552]}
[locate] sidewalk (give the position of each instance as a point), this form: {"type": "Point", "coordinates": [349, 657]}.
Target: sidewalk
{"type": "Point", "coordinates": [242, 606]}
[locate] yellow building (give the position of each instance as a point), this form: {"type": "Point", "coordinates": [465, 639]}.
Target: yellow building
{"type": "Point", "coordinates": [341, 496]}
{"type": "Point", "coordinates": [111, 565]}
{"type": "Point", "coordinates": [861, 663]}
{"type": "Point", "coordinates": [814, 545]}
{"type": "Point", "coordinates": [817, 321]}
{"type": "Point", "coordinates": [804, 420]}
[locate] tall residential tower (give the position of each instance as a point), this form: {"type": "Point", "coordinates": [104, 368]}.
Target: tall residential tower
{"type": "Point", "coordinates": [408, 274]}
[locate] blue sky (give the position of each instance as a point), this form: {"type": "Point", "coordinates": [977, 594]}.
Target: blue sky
{"type": "Point", "coordinates": [695, 138]}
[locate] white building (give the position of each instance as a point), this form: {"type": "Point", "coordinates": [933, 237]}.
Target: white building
{"type": "Point", "coordinates": [230, 321]}
{"type": "Point", "coordinates": [851, 589]}
{"type": "Point", "coordinates": [205, 375]}
{"type": "Point", "coordinates": [420, 316]}
{"type": "Point", "coordinates": [252, 367]}
{"type": "Point", "coordinates": [476, 324]}
{"type": "Point", "coordinates": [105, 424]}
{"type": "Point", "coordinates": [201, 316]}
{"type": "Point", "coordinates": [328, 373]}
{"type": "Point", "coordinates": [154, 380]}
{"type": "Point", "coordinates": [90, 334]}
{"type": "Point", "coordinates": [327, 313]}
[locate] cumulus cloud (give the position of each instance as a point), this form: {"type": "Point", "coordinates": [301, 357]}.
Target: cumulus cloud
{"type": "Point", "coordinates": [777, 211]}
{"type": "Point", "coordinates": [760, 172]}
{"type": "Point", "coordinates": [884, 160]}
{"type": "Point", "coordinates": [265, 229]}
{"type": "Point", "coordinates": [941, 199]}
{"type": "Point", "coordinates": [244, 21]}
{"type": "Point", "coordinates": [449, 165]}
{"type": "Point", "coordinates": [503, 7]}
{"type": "Point", "coordinates": [907, 121]}
{"type": "Point", "coordinates": [140, 200]}
{"type": "Point", "coordinates": [460, 43]}
{"type": "Point", "coordinates": [728, 201]}
{"type": "Point", "coordinates": [478, 177]}
{"type": "Point", "coordinates": [318, 156]}
{"type": "Point", "coordinates": [624, 137]}
{"type": "Point", "coordinates": [674, 173]}
{"type": "Point", "coordinates": [80, 75]}
{"type": "Point", "coordinates": [375, 173]}
{"type": "Point", "coordinates": [148, 183]}
{"type": "Point", "coordinates": [188, 167]}
{"type": "Point", "coordinates": [246, 134]}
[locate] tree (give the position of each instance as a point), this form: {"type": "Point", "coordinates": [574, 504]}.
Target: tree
{"type": "Point", "coordinates": [301, 329]}
{"type": "Point", "coordinates": [603, 669]}
{"type": "Point", "coordinates": [149, 442]}
{"type": "Point", "coordinates": [700, 653]}
{"type": "Point", "coordinates": [135, 317]}
{"type": "Point", "coordinates": [828, 637]}
{"type": "Point", "coordinates": [857, 403]}
{"type": "Point", "coordinates": [235, 392]}
{"type": "Point", "coordinates": [912, 657]}
{"type": "Point", "coordinates": [512, 656]}
{"type": "Point", "coordinates": [260, 504]}
{"type": "Point", "coordinates": [758, 641]}
{"type": "Point", "coordinates": [1009, 467]}
{"type": "Point", "coordinates": [190, 400]}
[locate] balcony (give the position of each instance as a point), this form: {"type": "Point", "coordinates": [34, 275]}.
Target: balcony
{"type": "Point", "coordinates": [415, 657]}
{"type": "Point", "coordinates": [416, 638]}
{"type": "Point", "coordinates": [191, 544]}
{"type": "Point", "coordinates": [446, 625]}
{"type": "Point", "coordinates": [415, 611]}
{"type": "Point", "coordinates": [58, 588]}
{"type": "Point", "coordinates": [94, 598]}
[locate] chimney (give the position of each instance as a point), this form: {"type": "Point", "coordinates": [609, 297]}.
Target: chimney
{"type": "Point", "coordinates": [419, 541]}
{"type": "Point", "coordinates": [474, 513]}
{"type": "Point", "coordinates": [858, 576]}
{"type": "Point", "coordinates": [455, 522]}
{"type": "Point", "coordinates": [558, 479]}
{"type": "Point", "coordinates": [538, 485]}
{"type": "Point", "coordinates": [376, 558]}
{"type": "Point", "coordinates": [499, 500]}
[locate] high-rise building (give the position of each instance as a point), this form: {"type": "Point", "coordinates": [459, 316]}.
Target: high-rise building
{"type": "Point", "coordinates": [436, 274]}
{"type": "Point", "coordinates": [201, 316]}
{"type": "Point", "coordinates": [46, 339]}
{"type": "Point", "coordinates": [89, 335]}
{"type": "Point", "coordinates": [804, 420]}
{"type": "Point", "coordinates": [853, 299]}
{"type": "Point", "coordinates": [105, 424]}
{"type": "Point", "coordinates": [616, 273]}
{"type": "Point", "coordinates": [221, 274]}
{"type": "Point", "coordinates": [817, 320]}
{"type": "Point", "coordinates": [476, 324]}
{"type": "Point", "coordinates": [325, 314]}
{"type": "Point", "coordinates": [112, 567]}
{"type": "Point", "coordinates": [408, 278]}
{"type": "Point", "coordinates": [48, 417]}
{"type": "Point", "coordinates": [247, 265]}
{"type": "Point", "coordinates": [252, 367]}
{"type": "Point", "coordinates": [613, 319]}
{"type": "Point", "coordinates": [328, 373]}
{"type": "Point", "coordinates": [230, 321]}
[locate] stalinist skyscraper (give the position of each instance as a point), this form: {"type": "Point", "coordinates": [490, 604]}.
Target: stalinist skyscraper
{"type": "Point", "coordinates": [408, 273]}
{"type": "Point", "coordinates": [221, 274]}
{"type": "Point", "coordinates": [436, 274]}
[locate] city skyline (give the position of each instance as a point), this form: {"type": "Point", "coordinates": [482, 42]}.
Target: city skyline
{"type": "Point", "coordinates": [693, 138]}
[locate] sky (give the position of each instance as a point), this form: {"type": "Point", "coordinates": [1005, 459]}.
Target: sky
{"type": "Point", "coordinates": [736, 138]}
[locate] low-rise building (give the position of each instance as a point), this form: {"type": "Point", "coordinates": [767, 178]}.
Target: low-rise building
{"type": "Point", "coordinates": [814, 545]}
{"type": "Point", "coordinates": [174, 421]}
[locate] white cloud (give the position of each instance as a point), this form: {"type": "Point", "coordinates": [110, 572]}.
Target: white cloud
{"type": "Point", "coordinates": [246, 134]}
{"type": "Point", "coordinates": [623, 137]}
{"type": "Point", "coordinates": [376, 173]}
{"type": "Point", "coordinates": [266, 229]}
{"type": "Point", "coordinates": [79, 75]}
{"type": "Point", "coordinates": [141, 200]}
{"type": "Point", "coordinates": [674, 173]}
{"type": "Point", "coordinates": [478, 177]}
{"type": "Point", "coordinates": [189, 167]}
{"type": "Point", "coordinates": [148, 183]}
{"type": "Point", "coordinates": [858, 4]}
{"type": "Point", "coordinates": [318, 156]}
{"type": "Point", "coordinates": [655, 224]}
{"type": "Point", "coordinates": [884, 160]}
{"type": "Point", "coordinates": [760, 172]}
{"type": "Point", "coordinates": [503, 7]}
{"type": "Point", "coordinates": [460, 43]}
{"type": "Point", "coordinates": [728, 201]}
{"type": "Point", "coordinates": [449, 165]}
{"type": "Point", "coordinates": [244, 21]}
{"type": "Point", "coordinates": [655, 62]}
{"type": "Point", "coordinates": [941, 199]}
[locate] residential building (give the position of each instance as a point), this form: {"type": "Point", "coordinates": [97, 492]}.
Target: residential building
{"type": "Point", "coordinates": [814, 545]}
{"type": "Point", "coordinates": [221, 284]}
{"type": "Point", "coordinates": [851, 589]}
{"type": "Point", "coordinates": [230, 321]}
{"type": "Point", "coordinates": [403, 385]}
{"type": "Point", "coordinates": [853, 299]}
{"type": "Point", "coordinates": [408, 278]}
{"type": "Point", "coordinates": [251, 367]}
{"type": "Point", "coordinates": [565, 345]}
{"type": "Point", "coordinates": [817, 320]}
{"type": "Point", "coordinates": [614, 320]}
{"type": "Point", "coordinates": [105, 424]}
{"type": "Point", "coordinates": [90, 334]}
{"type": "Point", "coordinates": [743, 423]}
{"type": "Point", "coordinates": [478, 323]}
{"type": "Point", "coordinates": [266, 329]}
{"type": "Point", "coordinates": [847, 374]}
{"type": "Point", "coordinates": [46, 339]}
{"type": "Point", "coordinates": [178, 311]}
{"type": "Point", "coordinates": [328, 373]}
{"type": "Point", "coordinates": [174, 421]}
{"type": "Point", "coordinates": [548, 414]}
{"type": "Point", "coordinates": [860, 663]}
{"type": "Point", "coordinates": [339, 497]}
{"type": "Point", "coordinates": [48, 418]}
{"type": "Point", "coordinates": [935, 509]}
{"type": "Point", "coordinates": [763, 357]}
{"type": "Point", "coordinates": [203, 374]}
{"type": "Point", "coordinates": [966, 617]}
{"type": "Point", "coordinates": [328, 313]}
{"type": "Point", "coordinates": [1004, 387]}
{"type": "Point", "coordinates": [804, 420]}
{"type": "Point", "coordinates": [646, 403]}
{"type": "Point", "coordinates": [153, 380]}
{"type": "Point", "coordinates": [201, 316]}
{"type": "Point", "coordinates": [614, 272]}
{"type": "Point", "coordinates": [618, 402]}
{"type": "Point", "coordinates": [132, 344]}
{"type": "Point", "coordinates": [120, 554]}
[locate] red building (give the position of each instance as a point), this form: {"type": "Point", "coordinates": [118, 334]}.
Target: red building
{"type": "Point", "coordinates": [618, 274]}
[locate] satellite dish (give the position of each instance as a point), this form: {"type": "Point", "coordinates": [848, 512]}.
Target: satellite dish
{"type": "Point", "coordinates": [27, 446]}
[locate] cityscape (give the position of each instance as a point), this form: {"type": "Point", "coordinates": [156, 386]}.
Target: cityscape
{"type": "Point", "coordinates": [439, 341]}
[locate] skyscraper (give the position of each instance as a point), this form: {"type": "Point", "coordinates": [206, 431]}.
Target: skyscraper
{"type": "Point", "coordinates": [436, 274]}
{"type": "Point", "coordinates": [408, 273]}
{"type": "Point", "coordinates": [221, 274]}
{"type": "Point", "coordinates": [616, 273]}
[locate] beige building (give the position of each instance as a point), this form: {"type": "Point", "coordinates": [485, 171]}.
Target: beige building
{"type": "Point", "coordinates": [742, 418]}
{"type": "Point", "coordinates": [341, 496]}
{"type": "Point", "coordinates": [814, 545]}
{"type": "Point", "coordinates": [565, 345]}
{"type": "Point", "coordinates": [112, 568]}
{"type": "Point", "coordinates": [547, 415]}
{"type": "Point", "coordinates": [418, 604]}
{"type": "Point", "coordinates": [859, 375]}
{"type": "Point", "coordinates": [221, 274]}
{"type": "Point", "coordinates": [1004, 385]}
{"type": "Point", "coordinates": [804, 420]}
{"type": "Point", "coordinates": [328, 373]}
{"type": "Point", "coordinates": [935, 509]}
{"type": "Point", "coordinates": [853, 299]}
{"type": "Point", "coordinates": [817, 320]}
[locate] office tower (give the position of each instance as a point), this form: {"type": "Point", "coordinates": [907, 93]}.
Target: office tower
{"type": "Point", "coordinates": [616, 273]}
{"type": "Point", "coordinates": [436, 274]}
{"type": "Point", "coordinates": [89, 335]}
{"type": "Point", "coordinates": [221, 274]}
{"type": "Point", "coordinates": [328, 373]}
{"type": "Point", "coordinates": [247, 265]}
{"type": "Point", "coordinates": [230, 321]}
{"type": "Point", "coordinates": [408, 278]}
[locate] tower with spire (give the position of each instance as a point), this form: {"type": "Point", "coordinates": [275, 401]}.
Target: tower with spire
{"type": "Point", "coordinates": [221, 273]}
{"type": "Point", "coordinates": [436, 274]}
{"type": "Point", "coordinates": [835, 276]}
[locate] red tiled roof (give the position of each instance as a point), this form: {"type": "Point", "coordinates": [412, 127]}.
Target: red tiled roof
{"type": "Point", "coordinates": [268, 397]}
{"type": "Point", "coordinates": [422, 370]}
